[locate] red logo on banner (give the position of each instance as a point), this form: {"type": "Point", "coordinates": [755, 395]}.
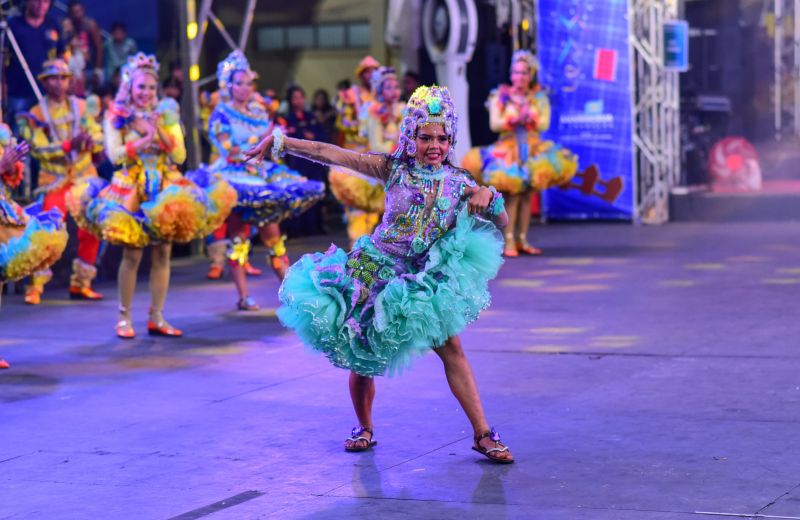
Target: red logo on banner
{"type": "Point", "coordinates": [605, 65]}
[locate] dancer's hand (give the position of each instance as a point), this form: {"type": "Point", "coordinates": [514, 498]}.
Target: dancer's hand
{"type": "Point", "coordinates": [81, 141]}
{"type": "Point", "coordinates": [142, 126]}
{"type": "Point", "coordinates": [12, 156]}
{"type": "Point", "coordinates": [258, 152]}
{"type": "Point", "coordinates": [18, 152]}
{"type": "Point", "coordinates": [479, 199]}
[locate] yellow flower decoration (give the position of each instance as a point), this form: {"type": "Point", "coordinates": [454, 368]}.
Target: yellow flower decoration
{"type": "Point", "coordinates": [239, 251]}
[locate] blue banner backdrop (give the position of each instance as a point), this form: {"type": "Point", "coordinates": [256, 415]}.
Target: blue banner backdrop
{"type": "Point", "coordinates": [585, 68]}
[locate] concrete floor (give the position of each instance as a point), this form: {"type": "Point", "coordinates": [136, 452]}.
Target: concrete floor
{"type": "Point", "coordinates": [638, 373]}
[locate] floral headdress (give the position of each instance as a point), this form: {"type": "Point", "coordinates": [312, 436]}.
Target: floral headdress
{"type": "Point", "coordinates": [140, 62]}
{"type": "Point", "coordinates": [379, 77]}
{"type": "Point", "coordinates": [527, 57]}
{"type": "Point", "coordinates": [427, 106]}
{"type": "Point", "coordinates": [235, 62]}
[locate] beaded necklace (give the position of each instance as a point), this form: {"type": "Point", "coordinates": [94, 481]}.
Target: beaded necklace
{"type": "Point", "coordinates": [427, 215]}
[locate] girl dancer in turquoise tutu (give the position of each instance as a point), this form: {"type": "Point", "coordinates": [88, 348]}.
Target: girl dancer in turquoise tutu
{"type": "Point", "coordinates": [417, 281]}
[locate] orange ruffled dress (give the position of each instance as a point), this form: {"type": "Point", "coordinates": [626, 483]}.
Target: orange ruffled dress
{"type": "Point", "coordinates": [148, 199]}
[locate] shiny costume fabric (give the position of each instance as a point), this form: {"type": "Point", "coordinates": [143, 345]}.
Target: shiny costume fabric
{"type": "Point", "coordinates": [148, 198]}
{"type": "Point", "coordinates": [383, 129]}
{"type": "Point", "coordinates": [362, 198]}
{"type": "Point", "coordinates": [520, 160]}
{"type": "Point", "coordinates": [418, 280]}
{"type": "Point", "coordinates": [267, 192]}
{"type": "Point", "coordinates": [63, 169]}
{"type": "Point", "coordinates": [30, 239]}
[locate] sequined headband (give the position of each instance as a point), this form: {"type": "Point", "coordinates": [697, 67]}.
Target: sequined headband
{"type": "Point", "coordinates": [526, 57]}
{"type": "Point", "coordinates": [427, 106]}
{"type": "Point", "coordinates": [236, 61]}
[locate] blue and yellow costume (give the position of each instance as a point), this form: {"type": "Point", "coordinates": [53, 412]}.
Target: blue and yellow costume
{"type": "Point", "coordinates": [267, 192]}
{"type": "Point", "coordinates": [520, 162]}
{"type": "Point", "coordinates": [148, 198]}
{"type": "Point", "coordinates": [30, 239]}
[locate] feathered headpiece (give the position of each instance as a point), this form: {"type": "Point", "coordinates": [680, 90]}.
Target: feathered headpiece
{"type": "Point", "coordinates": [235, 62]}
{"type": "Point", "coordinates": [140, 62]}
{"type": "Point", "coordinates": [526, 57]}
{"type": "Point", "coordinates": [379, 77]}
{"type": "Point", "coordinates": [427, 106]}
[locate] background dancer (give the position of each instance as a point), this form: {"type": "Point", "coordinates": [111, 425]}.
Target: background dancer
{"type": "Point", "coordinates": [520, 162]}
{"type": "Point", "coordinates": [65, 136]}
{"type": "Point", "coordinates": [29, 240]}
{"type": "Point", "coordinates": [364, 198]}
{"type": "Point", "coordinates": [267, 193]}
{"type": "Point", "coordinates": [148, 200]}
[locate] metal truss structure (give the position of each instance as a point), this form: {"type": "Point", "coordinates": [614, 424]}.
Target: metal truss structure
{"type": "Point", "coordinates": [786, 58]}
{"type": "Point", "coordinates": [195, 23]}
{"type": "Point", "coordinates": [656, 110]}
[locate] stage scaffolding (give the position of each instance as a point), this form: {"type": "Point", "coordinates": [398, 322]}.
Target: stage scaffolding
{"type": "Point", "coordinates": [196, 24]}
{"type": "Point", "coordinates": [786, 60]}
{"type": "Point", "coordinates": [656, 110]}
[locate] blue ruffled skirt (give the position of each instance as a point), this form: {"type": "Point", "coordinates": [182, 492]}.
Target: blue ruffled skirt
{"type": "Point", "coordinates": [373, 313]}
{"type": "Point", "coordinates": [29, 243]}
{"type": "Point", "coordinates": [267, 194]}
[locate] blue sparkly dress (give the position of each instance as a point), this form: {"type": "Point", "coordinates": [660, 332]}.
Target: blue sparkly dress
{"type": "Point", "coordinates": [267, 192]}
{"type": "Point", "coordinates": [419, 279]}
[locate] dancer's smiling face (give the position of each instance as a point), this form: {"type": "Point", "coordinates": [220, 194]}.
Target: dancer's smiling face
{"type": "Point", "coordinates": [433, 145]}
{"type": "Point", "coordinates": [241, 86]}
{"type": "Point", "coordinates": [144, 90]}
{"type": "Point", "coordinates": [521, 76]}
{"type": "Point", "coordinates": [391, 90]}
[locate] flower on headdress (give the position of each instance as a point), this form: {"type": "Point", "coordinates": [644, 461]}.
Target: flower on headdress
{"type": "Point", "coordinates": [435, 107]}
{"type": "Point", "coordinates": [234, 62]}
{"type": "Point", "coordinates": [527, 57]}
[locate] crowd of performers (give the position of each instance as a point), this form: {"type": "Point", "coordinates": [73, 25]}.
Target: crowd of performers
{"type": "Point", "coordinates": [423, 231]}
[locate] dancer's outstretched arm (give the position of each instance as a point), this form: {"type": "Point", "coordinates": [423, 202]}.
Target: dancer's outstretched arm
{"type": "Point", "coordinates": [375, 165]}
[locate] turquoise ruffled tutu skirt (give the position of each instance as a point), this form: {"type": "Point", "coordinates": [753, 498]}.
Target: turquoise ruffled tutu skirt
{"type": "Point", "coordinates": [373, 313]}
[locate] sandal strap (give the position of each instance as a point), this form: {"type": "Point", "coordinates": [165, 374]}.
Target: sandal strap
{"type": "Point", "coordinates": [496, 450]}
{"type": "Point", "coordinates": [356, 436]}
{"type": "Point", "coordinates": [492, 433]}
{"type": "Point", "coordinates": [356, 439]}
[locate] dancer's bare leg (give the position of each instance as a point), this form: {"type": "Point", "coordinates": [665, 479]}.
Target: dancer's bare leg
{"type": "Point", "coordinates": [465, 389]}
{"type": "Point", "coordinates": [278, 259]}
{"type": "Point", "coordinates": [512, 208]}
{"type": "Point", "coordinates": [526, 200]}
{"type": "Point", "coordinates": [362, 393]}
{"type": "Point", "coordinates": [239, 230]}
{"type": "Point", "coordinates": [126, 281]}
{"type": "Point", "coordinates": [159, 280]}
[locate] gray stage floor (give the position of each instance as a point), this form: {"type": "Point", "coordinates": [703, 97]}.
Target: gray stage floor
{"type": "Point", "coordinates": [645, 373]}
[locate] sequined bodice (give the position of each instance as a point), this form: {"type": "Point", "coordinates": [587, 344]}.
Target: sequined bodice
{"type": "Point", "coordinates": [421, 205]}
{"type": "Point", "coordinates": [244, 129]}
